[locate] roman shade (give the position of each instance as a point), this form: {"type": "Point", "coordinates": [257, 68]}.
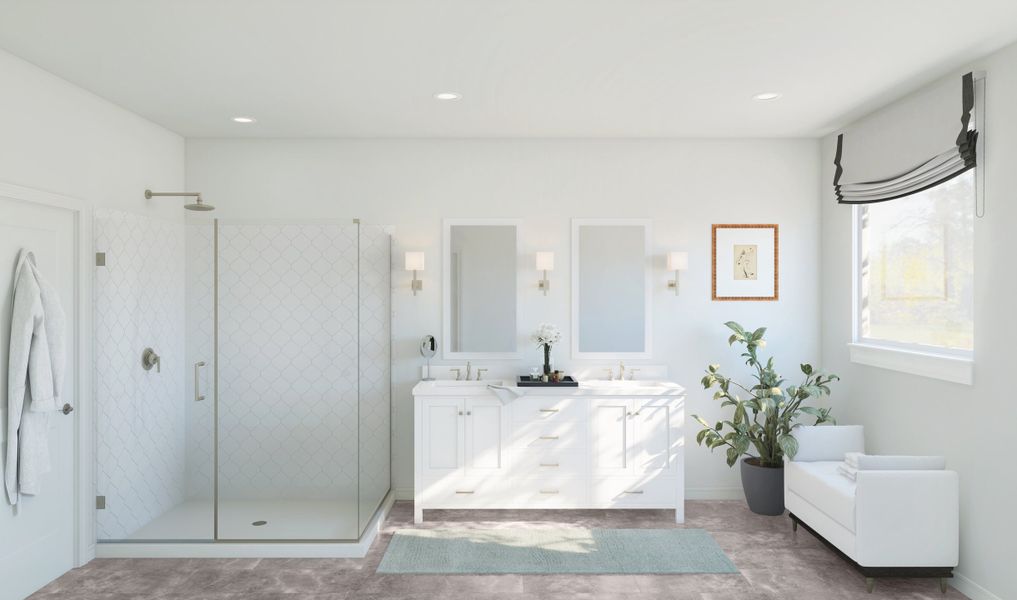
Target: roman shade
{"type": "Point", "coordinates": [909, 146]}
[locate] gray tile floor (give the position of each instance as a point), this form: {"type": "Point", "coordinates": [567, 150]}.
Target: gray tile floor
{"type": "Point", "coordinates": [774, 564]}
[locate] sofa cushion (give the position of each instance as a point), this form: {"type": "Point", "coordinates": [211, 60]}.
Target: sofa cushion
{"type": "Point", "coordinates": [821, 485]}
{"type": "Point", "coordinates": [828, 442]}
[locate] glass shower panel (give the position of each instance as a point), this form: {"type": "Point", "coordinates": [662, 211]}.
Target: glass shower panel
{"type": "Point", "coordinates": [288, 380]}
{"type": "Point", "coordinates": [153, 441]}
{"type": "Point", "coordinates": [374, 369]}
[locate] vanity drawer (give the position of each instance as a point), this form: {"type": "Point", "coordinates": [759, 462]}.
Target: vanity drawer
{"type": "Point", "coordinates": [547, 492]}
{"type": "Point", "coordinates": [621, 492]}
{"type": "Point", "coordinates": [525, 410]}
{"type": "Point", "coordinates": [550, 435]}
{"type": "Point", "coordinates": [538, 463]}
{"type": "Point", "coordinates": [464, 493]}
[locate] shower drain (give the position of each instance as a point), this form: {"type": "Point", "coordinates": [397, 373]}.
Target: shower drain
{"type": "Point", "coordinates": [259, 523]}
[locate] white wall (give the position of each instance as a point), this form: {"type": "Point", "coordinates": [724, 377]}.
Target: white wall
{"type": "Point", "coordinates": [971, 425]}
{"type": "Point", "coordinates": [60, 138]}
{"type": "Point", "coordinates": [684, 186]}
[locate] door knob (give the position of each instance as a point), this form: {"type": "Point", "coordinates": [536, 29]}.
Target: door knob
{"type": "Point", "coordinates": [67, 409]}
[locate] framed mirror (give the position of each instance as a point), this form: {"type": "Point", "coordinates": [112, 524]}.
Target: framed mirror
{"type": "Point", "coordinates": [480, 279]}
{"type": "Point", "coordinates": [611, 289]}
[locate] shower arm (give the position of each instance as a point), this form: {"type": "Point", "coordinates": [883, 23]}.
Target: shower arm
{"type": "Point", "coordinates": [149, 194]}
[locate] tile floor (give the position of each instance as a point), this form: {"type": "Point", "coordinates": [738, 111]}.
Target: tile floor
{"type": "Point", "coordinates": [774, 563]}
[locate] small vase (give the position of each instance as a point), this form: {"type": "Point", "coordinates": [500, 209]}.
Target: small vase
{"type": "Point", "coordinates": [547, 359]}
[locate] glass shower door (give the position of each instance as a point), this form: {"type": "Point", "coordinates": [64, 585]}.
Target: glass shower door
{"type": "Point", "coordinates": [153, 292]}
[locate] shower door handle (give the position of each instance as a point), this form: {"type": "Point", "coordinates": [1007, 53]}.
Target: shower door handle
{"type": "Point", "coordinates": [197, 388]}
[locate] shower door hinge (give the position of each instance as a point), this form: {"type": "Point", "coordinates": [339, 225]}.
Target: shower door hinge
{"type": "Point", "coordinates": [100, 502]}
{"type": "Point", "coordinates": [100, 259]}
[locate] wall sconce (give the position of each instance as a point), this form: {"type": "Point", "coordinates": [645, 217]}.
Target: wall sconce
{"type": "Point", "coordinates": [415, 262]}
{"type": "Point", "coordinates": [545, 263]}
{"type": "Point", "coordinates": [677, 262]}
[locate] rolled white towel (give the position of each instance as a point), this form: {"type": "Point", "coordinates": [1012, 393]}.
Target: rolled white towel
{"type": "Point", "coordinates": [851, 459]}
{"type": "Point", "coordinates": [848, 471]}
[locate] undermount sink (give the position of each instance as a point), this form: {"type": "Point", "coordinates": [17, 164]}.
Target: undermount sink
{"type": "Point", "coordinates": [464, 383]}
{"type": "Point", "coordinates": [618, 383]}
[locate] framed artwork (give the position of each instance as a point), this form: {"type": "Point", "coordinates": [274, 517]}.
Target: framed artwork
{"type": "Point", "coordinates": [745, 262]}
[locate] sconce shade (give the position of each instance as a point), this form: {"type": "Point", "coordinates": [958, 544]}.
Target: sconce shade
{"type": "Point", "coordinates": [677, 261]}
{"type": "Point", "coordinates": [414, 261]}
{"type": "Point", "coordinates": [545, 261]}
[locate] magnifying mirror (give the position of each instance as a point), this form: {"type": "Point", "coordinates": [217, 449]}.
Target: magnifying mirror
{"type": "Point", "coordinates": [428, 348]}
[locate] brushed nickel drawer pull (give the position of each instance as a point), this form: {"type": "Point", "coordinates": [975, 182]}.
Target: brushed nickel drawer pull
{"type": "Point", "coordinates": [549, 464]}
{"type": "Point", "coordinates": [464, 491]}
{"type": "Point", "coordinates": [548, 437]}
{"type": "Point", "coordinates": [633, 491]}
{"type": "Point", "coordinates": [548, 491]}
{"type": "Point", "coordinates": [549, 410]}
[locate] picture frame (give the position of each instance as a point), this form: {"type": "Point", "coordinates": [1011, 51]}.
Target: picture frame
{"type": "Point", "coordinates": [745, 262]}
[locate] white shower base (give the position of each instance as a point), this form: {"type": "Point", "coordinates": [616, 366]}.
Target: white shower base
{"type": "Point", "coordinates": [285, 520]}
{"type": "Point", "coordinates": [292, 517]}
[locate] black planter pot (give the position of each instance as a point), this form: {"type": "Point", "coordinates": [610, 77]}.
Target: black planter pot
{"type": "Point", "coordinates": [764, 488]}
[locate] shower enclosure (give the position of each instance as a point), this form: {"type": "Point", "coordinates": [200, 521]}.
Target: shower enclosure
{"type": "Point", "coordinates": [267, 413]}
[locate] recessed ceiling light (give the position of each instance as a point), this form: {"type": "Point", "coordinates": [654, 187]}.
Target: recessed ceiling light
{"type": "Point", "coordinates": [766, 96]}
{"type": "Point", "coordinates": [244, 119]}
{"type": "Point", "coordinates": [447, 96]}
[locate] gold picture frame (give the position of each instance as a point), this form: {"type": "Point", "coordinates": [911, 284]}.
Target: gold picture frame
{"type": "Point", "coordinates": [748, 266]}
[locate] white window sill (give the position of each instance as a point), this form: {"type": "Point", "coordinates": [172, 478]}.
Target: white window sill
{"type": "Point", "coordinates": [956, 369]}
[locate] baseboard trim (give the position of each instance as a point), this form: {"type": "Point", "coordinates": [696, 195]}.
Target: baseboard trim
{"type": "Point", "coordinates": [706, 493]}
{"type": "Point", "coordinates": [714, 493]}
{"type": "Point", "coordinates": [971, 589]}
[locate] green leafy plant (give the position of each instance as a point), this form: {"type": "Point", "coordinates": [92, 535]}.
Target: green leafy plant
{"type": "Point", "coordinates": [765, 419]}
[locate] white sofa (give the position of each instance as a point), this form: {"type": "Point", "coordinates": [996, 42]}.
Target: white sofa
{"type": "Point", "coordinates": [888, 523]}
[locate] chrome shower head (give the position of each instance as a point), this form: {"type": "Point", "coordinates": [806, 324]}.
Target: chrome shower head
{"type": "Point", "coordinates": [197, 205]}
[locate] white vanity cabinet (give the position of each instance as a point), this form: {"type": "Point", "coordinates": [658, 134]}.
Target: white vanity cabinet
{"type": "Point", "coordinates": [601, 445]}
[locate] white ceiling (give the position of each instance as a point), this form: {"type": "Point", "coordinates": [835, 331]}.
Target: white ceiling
{"type": "Point", "coordinates": [526, 68]}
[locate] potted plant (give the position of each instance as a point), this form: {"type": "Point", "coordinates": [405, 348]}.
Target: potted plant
{"type": "Point", "coordinates": [546, 336]}
{"type": "Point", "coordinates": [764, 419]}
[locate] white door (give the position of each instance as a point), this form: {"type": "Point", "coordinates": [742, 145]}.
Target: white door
{"type": "Point", "coordinates": [654, 438]}
{"type": "Point", "coordinates": [442, 437]}
{"type": "Point", "coordinates": [37, 536]}
{"type": "Point", "coordinates": [610, 436]}
{"type": "Point", "coordinates": [485, 436]}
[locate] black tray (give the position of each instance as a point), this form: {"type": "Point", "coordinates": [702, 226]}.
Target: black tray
{"type": "Point", "coordinates": [529, 381]}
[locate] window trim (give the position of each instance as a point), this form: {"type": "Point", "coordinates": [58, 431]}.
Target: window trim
{"type": "Point", "coordinates": [946, 364]}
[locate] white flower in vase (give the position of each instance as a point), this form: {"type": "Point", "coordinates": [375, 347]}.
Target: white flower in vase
{"type": "Point", "coordinates": [546, 336]}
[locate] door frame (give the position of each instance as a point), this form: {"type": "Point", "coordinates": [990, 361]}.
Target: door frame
{"type": "Point", "coordinates": [84, 414]}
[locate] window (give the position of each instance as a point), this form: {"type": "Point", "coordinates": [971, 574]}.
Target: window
{"type": "Point", "coordinates": [915, 273]}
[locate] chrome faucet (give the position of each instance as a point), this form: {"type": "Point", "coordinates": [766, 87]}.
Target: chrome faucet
{"type": "Point", "coordinates": [469, 370]}
{"type": "Point", "coordinates": [480, 372]}
{"type": "Point", "coordinates": [621, 370]}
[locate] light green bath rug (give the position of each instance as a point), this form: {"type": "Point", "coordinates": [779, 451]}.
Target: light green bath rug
{"type": "Point", "coordinates": [536, 551]}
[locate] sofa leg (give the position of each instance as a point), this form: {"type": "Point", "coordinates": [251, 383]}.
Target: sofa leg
{"type": "Point", "coordinates": [942, 584]}
{"type": "Point", "coordinates": [794, 525]}
{"type": "Point", "coordinates": [870, 584]}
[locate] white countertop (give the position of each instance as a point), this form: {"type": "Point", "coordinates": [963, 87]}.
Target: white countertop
{"type": "Point", "coordinates": [590, 388]}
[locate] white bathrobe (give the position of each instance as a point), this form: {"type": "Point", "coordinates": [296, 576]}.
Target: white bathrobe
{"type": "Point", "coordinates": [35, 377]}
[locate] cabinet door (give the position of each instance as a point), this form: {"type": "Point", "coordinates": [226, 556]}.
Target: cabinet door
{"type": "Point", "coordinates": [442, 437]}
{"type": "Point", "coordinates": [610, 436]}
{"type": "Point", "coordinates": [486, 430]}
{"type": "Point", "coordinates": [655, 437]}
